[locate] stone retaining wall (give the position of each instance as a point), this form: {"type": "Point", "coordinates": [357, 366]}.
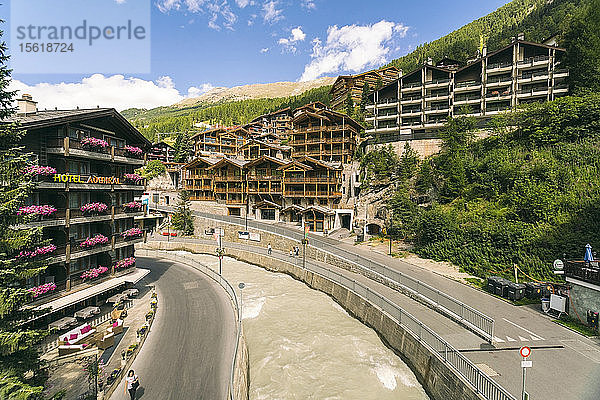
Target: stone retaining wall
{"type": "Point", "coordinates": [438, 379]}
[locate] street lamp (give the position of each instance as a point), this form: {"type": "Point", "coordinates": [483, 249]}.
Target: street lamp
{"type": "Point", "coordinates": [241, 285]}
{"type": "Point", "coordinates": [220, 252]}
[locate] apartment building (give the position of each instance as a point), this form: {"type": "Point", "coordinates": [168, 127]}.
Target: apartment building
{"type": "Point", "coordinates": [354, 84]}
{"type": "Point", "coordinates": [323, 134]}
{"type": "Point", "coordinates": [278, 122]}
{"type": "Point", "coordinates": [225, 141]}
{"type": "Point", "coordinates": [255, 148]}
{"type": "Point", "coordinates": [416, 105]}
{"type": "Point", "coordinates": [84, 198]}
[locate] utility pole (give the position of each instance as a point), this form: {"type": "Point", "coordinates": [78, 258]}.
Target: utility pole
{"type": "Point", "coordinates": [220, 251]}
{"type": "Point", "coordinates": [304, 243]}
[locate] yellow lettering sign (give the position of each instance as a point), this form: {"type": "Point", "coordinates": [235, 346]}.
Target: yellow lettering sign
{"type": "Point", "coordinates": [105, 180]}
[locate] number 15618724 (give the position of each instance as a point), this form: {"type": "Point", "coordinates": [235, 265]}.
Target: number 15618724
{"type": "Point", "coordinates": [50, 47]}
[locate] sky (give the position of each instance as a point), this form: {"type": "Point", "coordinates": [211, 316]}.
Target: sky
{"type": "Point", "coordinates": [197, 45]}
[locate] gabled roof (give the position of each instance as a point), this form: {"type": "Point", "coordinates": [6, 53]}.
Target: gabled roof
{"type": "Point", "coordinates": [231, 161]}
{"type": "Point", "coordinates": [322, 210]}
{"type": "Point", "coordinates": [267, 144]}
{"type": "Point", "coordinates": [327, 114]}
{"type": "Point", "coordinates": [374, 71]}
{"type": "Point", "coordinates": [294, 207]}
{"type": "Point", "coordinates": [283, 110]}
{"type": "Point", "coordinates": [213, 130]}
{"type": "Point", "coordinates": [265, 158]}
{"type": "Point", "coordinates": [266, 204]}
{"type": "Point", "coordinates": [163, 144]}
{"type": "Point", "coordinates": [295, 163]}
{"type": "Point", "coordinates": [198, 160]}
{"type": "Point", "coordinates": [46, 118]}
{"type": "Point", "coordinates": [325, 164]}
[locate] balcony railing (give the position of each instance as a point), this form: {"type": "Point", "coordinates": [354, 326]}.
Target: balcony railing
{"type": "Point", "coordinates": [584, 271]}
{"type": "Point", "coordinates": [300, 179]}
{"type": "Point", "coordinates": [467, 84]}
{"type": "Point", "coordinates": [438, 81]}
{"type": "Point", "coordinates": [411, 85]}
{"type": "Point", "coordinates": [533, 60]}
{"type": "Point", "coordinates": [499, 65]}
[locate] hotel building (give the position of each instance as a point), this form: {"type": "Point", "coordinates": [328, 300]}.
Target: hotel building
{"type": "Point", "coordinates": [416, 105]}
{"type": "Point", "coordinates": [354, 85]}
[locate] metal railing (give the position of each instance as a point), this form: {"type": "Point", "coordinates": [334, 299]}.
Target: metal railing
{"type": "Point", "coordinates": [214, 275]}
{"type": "Point", "coordinates": [473, 319]}
{"type": "Point", "coordinates": [465, 368]}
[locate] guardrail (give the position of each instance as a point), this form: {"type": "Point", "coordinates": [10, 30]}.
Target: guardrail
{"type": "Point", "coordinates": [224, 284]}
{"type": "Point", "coordinates": [481, 382]}
{"type": "Point", "coordinates": [473, 319]}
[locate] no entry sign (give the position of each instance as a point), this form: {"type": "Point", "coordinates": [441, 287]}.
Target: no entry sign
{"type": "Point", "coordinates": [525, 351]}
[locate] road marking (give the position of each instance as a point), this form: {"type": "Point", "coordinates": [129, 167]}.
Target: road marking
{"type": "Point", "coordinates": [498, 340]}
{"type": "Point", "coordinates": [586, 350]}
{"type": "Point", "coordinates": [535, 337]}
{"type": "Point", "coordinates": [526, 330]}
{"type": "Point", "coordinates": [522, 339]}
{"type": "Point", "coordinates": [510, 339]}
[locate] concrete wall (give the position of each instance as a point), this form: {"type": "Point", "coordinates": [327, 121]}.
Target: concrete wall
{"type": "Point", "coordinates": [241, 374]}
{"type": "Point", "coordinates": [585, 296]}
{"type": "Point", "coordinates": [437, 378]}
{"type": "Point", "coordinates": [425, 147]}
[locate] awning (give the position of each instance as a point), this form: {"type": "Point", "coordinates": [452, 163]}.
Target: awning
{"type": "Point", "coordinates": [84, 294]}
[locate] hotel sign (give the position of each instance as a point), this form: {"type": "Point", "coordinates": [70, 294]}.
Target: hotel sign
{"type": "Point", "coordinates": [93, 179]}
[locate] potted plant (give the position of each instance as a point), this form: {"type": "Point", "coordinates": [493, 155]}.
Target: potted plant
{"type": "Point", "coordinates": [43, 210]}
{"type": "Point", "coordinates": [133, 151]}
{"type": "Point", "coordinates": [94, 208]}
{"type": "Point", "coordinates": [132, 206]}
{"type": "Point", "coordinates": [93, 143]}
{"type": "Point", "coordinates": [134, 178]}
{"type": "Point", "coordinates": [132, 233]}
{"type": "Point", "coordinates": [97, 240]}
{"type": "Point", "coordinates": [94, 273]}
{"type": "Point", "coordinates": [125, 263]}
{"type": "Point", "coordinates": [42, 289]}
{"type": "Point", "coordinates": [39, 251]}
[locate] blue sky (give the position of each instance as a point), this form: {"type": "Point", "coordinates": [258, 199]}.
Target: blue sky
{"type": "Point", "coordinates": [199, 44]}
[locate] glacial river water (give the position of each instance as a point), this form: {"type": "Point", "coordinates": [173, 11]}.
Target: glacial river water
{"type": "Point", "coordinates": [303, 345]}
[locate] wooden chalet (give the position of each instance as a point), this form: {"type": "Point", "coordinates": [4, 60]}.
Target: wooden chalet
{"type": "Point", "coordinates": [264, 179]}
{"type": "Point", "coordinates": [198, 179]}
{"type": "Point", "coordinates": [226, 141]}
{"type": "Point", "coordinates": [354, 84]}
{"type": "Point", "coordinates": [324, 135]}
{"type": "Point", "coordinates": [255, 148]}
{"type": "Point", "coordinates": [229, 181]}
{"type": "Point", "coordinates": [277, 122]}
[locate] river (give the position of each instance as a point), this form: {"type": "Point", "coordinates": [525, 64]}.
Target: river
{"type": "Point", "coordinates": [303, 345]}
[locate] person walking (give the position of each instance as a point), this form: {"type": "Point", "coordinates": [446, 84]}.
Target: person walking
{"type": "Point", "coordinates": [269, 249]}
{"type": "Point", "coordinates": [291, 252]}
{"type": "Point", "coordinates": [132, 383]}
{"type": "Point", "coordinates": [296, 251]}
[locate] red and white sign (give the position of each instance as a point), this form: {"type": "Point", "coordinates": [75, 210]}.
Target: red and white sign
{"type": "Point", "coordinates": [525, 351]}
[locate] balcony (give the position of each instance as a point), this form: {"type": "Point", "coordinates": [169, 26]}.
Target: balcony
{"type": "Point", "coordinates": [534, 61]}
{"type": "Point", "coordinates": [437, 109]}
{"type": "Point", "coordinates": [560, 89]}
{"type": "Point", "coordinates": [499, 67]}
{"type": "Point", "coordinates": [408, 113]}
{"type": "Point", "coordinates": [411, 87]}
{"type": "Point", "coordinates": [387, 117]}
{"type": "Point", "coordinates": [533, 92]}
{"type": "Point", "coordinates": [435, 123]}
{"type": "Point", "coordinates": [300, 179]}
{"type": "Point", "coordinates": [472, 99]}
{"type": "Point", "coordinates": [202, 198]}
{"type": "Point", "coordinates": [75, 181]}
{"type": "Point", "coordinates": [264, 177]}
{"type": "Point", "coordinates": [497, 95]}
{"type": "Point", "coordinates": [70, 147]}
{"type": "Point", "coordinates": [498, 81]}
{"type": "Point", "coordinates": [227, 178]}
{"type": "Point", "coordinates": [496, 109]}
{"type": "Point", "coordinates": [583, 271]}
{"type": "Point", "coordinates": [437, 96]}
{"type": "Point", "coordinates": [561, 73]}
{"type": "Point", "coordinates": [466, 86]}
{"type": "Point", "coordinates": [411, 100]}
{"type": "Point", "coordinates": [387, 102]}
{"type": "Point", "coordinates": [534, 77]}
{"type": "Point", "coordinates": [438, 83]}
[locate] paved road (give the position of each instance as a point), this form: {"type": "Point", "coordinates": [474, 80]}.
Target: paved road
{"type": "Point", "coordinates": [189, 350]}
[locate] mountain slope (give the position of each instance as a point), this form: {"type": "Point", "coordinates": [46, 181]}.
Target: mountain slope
{"type": "Point", "coordinates": [256, 91]}
{"type": "Point", "coordinates": [538, 19]}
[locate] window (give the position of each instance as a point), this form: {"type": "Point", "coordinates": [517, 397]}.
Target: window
{"type": "Point", "coordinates": [77, 199]}
{"type": "Point", "coordinates": [296, 202]}
{"type": "Point", "coordinates": [310, 201]}
{"type": "Point", "coordinates": [268, 214]}
{"type": "Point", "coordinates": [79, 167]}
{"type": "Point", "coordinates": [323, 202]}
{"type": "Point", "coordinates": [155, 198]}
{"type": "Point", "coordinates": [80, 231]}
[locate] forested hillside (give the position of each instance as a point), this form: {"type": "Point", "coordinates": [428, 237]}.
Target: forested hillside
{"type": "Point", "coordinates": [176, 119]}
{"type": "Point", "coordinates": [538, 19]}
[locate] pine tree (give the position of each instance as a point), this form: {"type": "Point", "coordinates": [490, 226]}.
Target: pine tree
{"type": "Point", "coordinates": [378, 83]}
{"type": "Point", "coordinates": [183, 147]}
{"type": "Point", "coordinates": [349, 104]}
{"type": "Point", "coordinates": [182, 218]}
{"type": "Point", "coordinates": [20, 365]}
{"type": "Point", "coordinates": [364, 99]}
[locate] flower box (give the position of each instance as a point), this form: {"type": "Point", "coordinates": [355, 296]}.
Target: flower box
{"type": "Point", "coordinates": [132, 233]}
{"type": "Point", "coordinates": [132, 206]}
{"type": "Point", "coordinates": [94, 208]}
{"type": "Point", "coordinates": [42, 289]}
{"type": "Point", "coordinates": [97, 240]}
{"type": "Point", "coordinates": [43, 210]}
{"type": "Point", "coordinates": [125, 263]}
{"type": "Point", "coordinates": [94, 143]}
{"type": "Point", "coordinates": [135, 178]}
{"type": "Point", "coordinates": [133, 151]}
{"type": "Point", "coordinates": [94, 273]}
{"type": "Point", "coordinates": [40, 170]}
{"type": "Point", "coordinates": [39, 251]}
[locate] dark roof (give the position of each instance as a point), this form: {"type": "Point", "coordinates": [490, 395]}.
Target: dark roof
{"type": "Point", "coordinates": [267, 144]}
{"type": "Point", "coordinates": [46, 118]}
{"type": "Point", "coordinates": [232, 161]}
{"type": "Point", "coordinates": [266, 158]}
{"type": "Point", "coordinates": [198, 160]}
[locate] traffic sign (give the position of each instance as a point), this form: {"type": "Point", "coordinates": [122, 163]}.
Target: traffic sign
{"type": "Point", "coordinates": [558, 265]}
{"type": "Point", "coordinates": [526, 364]}
{"type": "Point", "coordinates": [525, 351]}
{"type": "Point", "coordinates": [306, 230]}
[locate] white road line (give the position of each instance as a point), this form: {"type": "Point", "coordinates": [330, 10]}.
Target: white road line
{"type": "Point", "coordinates": [510, 339]}
{"type": "Point", "coordinates": [522, 339]}
{"type": "Point", "coordinates": [535, 337]}
{"type": "Point", "coordinates": [526, 330]}
{"type": "Point", "coordinates": [498, 340]}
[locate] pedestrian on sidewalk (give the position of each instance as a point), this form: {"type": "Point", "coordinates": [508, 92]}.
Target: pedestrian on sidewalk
{"type": "Point", "coordinates": [296, 251]}
{"type": "Point", "coordinates": [132, 383]}
{"type": "Point", "coordinates": [291, 252]}
{"type": "Point", "coordinates": [269, 249]}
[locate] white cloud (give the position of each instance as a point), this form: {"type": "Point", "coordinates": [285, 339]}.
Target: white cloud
{"type": "Point", "coordinates": [271, 13]}
{"type": "Point", "coordinates": [120, 1]}
{"type": "Point", "coordinates": [218, 11]}
{"type": "Point", "coordinates": [244, 3]}
{"type": "Point", "coordinates": [107, 91]}
{"type": "Point", "coordinates": [296, 36]}
{"type": "Point", "coordinates": [309, 4]}
{"type": "Point", "coordinates": [352, 48]}
{"type": "Point", "coordinates": [264, 50]}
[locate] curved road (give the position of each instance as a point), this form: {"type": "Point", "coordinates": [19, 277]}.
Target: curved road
{"type": "Point", "coordinates": [189, 350]}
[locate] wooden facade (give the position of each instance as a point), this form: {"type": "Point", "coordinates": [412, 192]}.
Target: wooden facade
{"type": "Point", "coordinates": [229, 181]}
{"type": "Point", "coordinates": [278, 122]}
{"type": "Point", "coordinates": [226, 141]}
{"type": "Point", "coordinates": [324, 135]}
{"type": "Point", "coordinates": [255, 148]}
{"type": "Point", "coordinates": [354, 84]}
{"type": "Point", "coordinates": [198, 179]}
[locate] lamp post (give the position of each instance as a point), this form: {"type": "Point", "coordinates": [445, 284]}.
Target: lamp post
{"type": "Point", "coordinates": [241, 285]}
{"type": "Point", "coordinates": [220, 252]}
{"type": "Point", "coordinates": [304, 243]}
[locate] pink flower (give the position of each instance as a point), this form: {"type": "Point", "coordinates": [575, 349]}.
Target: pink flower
{"type": "Point", "coordinates": [133, 177]}
{"type": "Point", "coordinates": [37, 252]}
{"type": "Point", "coordinates": [94, 207]}
{"type": "Point", "coordinates": [133, 232]}
{"type": "Point", "coordinates": [132, 206]}
{"type": "Point", "coordinates": [94, 142]}
{"type": "Point", "coordinates": [136, 151]}
{"type": "Point", "coordinates": [40, 170]}
{"type": "Point", "coordinates": [125, 263]}
{"type": "Point", "coordinates": [40, 290]}
{"type": "Point", "coordinates": [93, 272]}
{"type": "Point", "coordinates": [45, 210]}
{"type": "Point", "coordinates": [99, 239]}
